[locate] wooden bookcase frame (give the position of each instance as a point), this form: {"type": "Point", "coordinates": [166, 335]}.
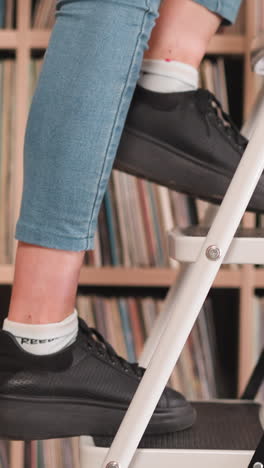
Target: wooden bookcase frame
{"type": "Point", "coordinates": [23, 40]}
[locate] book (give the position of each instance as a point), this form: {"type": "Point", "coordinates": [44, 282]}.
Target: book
{"type": "Point", "coordinates": [119, 344]}
{"type": "Point", "coordinates": [148, 225]}
{"type": "Point", "coordinates": [136, 325]}
{"type": "Point", "coordinates": [4, 462]}
{"type": "Point", "coordinates": [2, 13]}
{"type": "Point", "coordinates": [9, 10]}
{"type": "Point", "coordinates": [104, 236]}
{"type": "Point", "coordinates": [159, 260]}
{"type": "Point", "coordinates": [121, 219]}
{"type": "Point", "coordinates": [138, 225]}
{"type": "Point", "coordinates": [166, 220]}
{"type": "Point", "coordinates": [43, 15]}
{"type": "Point", "coordinates": [99, 313]}
{"type": "Point", "coordinates": [127, 329]}
{"type": "Point", "coordinates": [112, 227]}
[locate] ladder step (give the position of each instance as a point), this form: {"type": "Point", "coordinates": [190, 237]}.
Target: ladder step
{"type": "Point", "coordinates": [202, 231]}
{"type": "Point", "coordinates": [220, 426]}
{"type": "Point", "coordinates": [247, 246]}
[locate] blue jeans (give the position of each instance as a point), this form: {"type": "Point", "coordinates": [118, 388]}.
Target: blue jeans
{"type": "Point", "coordinates": [77, 115]}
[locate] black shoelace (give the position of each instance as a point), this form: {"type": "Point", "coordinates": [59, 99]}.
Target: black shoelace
{"type": "Point", "coordinates": [209, 105]}
{"type": "Point", "coordinates": [97, 343]}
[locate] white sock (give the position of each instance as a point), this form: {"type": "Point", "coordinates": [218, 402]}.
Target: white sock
{"type": "Point", "coordinates": [44, 339]}
{"type": "Point", "coordinates": [168, 76]}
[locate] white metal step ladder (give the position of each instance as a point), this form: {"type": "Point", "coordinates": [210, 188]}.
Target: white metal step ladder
{"type": "Point", "coordinates": [232, 443]}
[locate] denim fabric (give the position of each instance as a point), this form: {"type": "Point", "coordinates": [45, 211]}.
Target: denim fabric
{"type": "Point", "coordinates": [77, 115]}
{"type": "Point", "coordinates": [228, 9]}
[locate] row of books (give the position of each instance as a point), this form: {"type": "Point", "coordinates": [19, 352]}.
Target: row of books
{"type": "Point", "coordinates": [52, 453]}
{"type": "Point", "coordinates": [7, 13]}
{"type": "Point", "coordinates": [133, 221]}
{"type": "Point", "coordinates": [43, 14]}
{"type": "Point", "coordinates": [135, 214]}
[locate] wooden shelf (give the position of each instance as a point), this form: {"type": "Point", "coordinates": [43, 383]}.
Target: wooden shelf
{"type": "Point", "coordinates": [227, 44]}
{"type": "Point", "coordinates": [220, 44]}
{"type": "Point", "coordinates": [39, 39]}
{"type": "Point", "coordinates": [151, 277]}
{"type": "Point", "coordinates": [8, 39]}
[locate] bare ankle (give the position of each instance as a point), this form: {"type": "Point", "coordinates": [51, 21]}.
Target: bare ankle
{"type": "Point", "coordinates": [182, 32]}
{"type": "Point", "coordinates": [45, 284]}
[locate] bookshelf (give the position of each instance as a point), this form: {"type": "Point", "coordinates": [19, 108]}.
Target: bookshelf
{"type": "Point", "coordinates": [150, 277]}
{"type": "Point", "coordinates": [23, 40]}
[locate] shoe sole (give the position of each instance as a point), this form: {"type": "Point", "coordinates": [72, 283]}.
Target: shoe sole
{"type": "Point", "coordinates": [136, 150]}
{"type": "Point", "coordinates": [50, 418]}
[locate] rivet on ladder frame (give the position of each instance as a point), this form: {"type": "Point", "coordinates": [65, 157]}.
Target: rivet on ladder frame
{"type": "Point", "coordinates": [213, 252]}
{"type": "Point", "coordinates": [114, 464]}
{"type": "Point", "coordinates": [258, 465]}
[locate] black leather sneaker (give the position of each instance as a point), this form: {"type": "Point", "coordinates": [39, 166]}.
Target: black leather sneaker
{"type": "Point", "coordinates": [184, 141]}
{"type": "Point", "coordinates": [84, 389]}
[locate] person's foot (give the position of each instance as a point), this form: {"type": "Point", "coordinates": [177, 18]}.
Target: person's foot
{"type": "Point", "coordinates": [184, 141]}
{"type": "Point", "coordinates": [85, 389]}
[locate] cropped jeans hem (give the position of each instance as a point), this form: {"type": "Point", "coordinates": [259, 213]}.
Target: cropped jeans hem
{"type": "Point", "coordinates": [227, 9]}
{"type": "Point", "coordinates": [31, 235]}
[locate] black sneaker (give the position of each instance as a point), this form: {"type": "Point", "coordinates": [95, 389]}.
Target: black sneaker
{"type": "Point", "coordinates": [184, 141]}
{"type": "Point", "coordinates": [84, 389]}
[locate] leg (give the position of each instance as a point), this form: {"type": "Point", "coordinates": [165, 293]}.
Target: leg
{"type": "Point", "coordinates": [183, 32]}
{"type": "Point", "coordinates": [74, 126]}
{"type": "Point", "coordinates": [45, 284]}
{"type": "Point", "coordinates": [175, 134]}
{"type": "Point", "coordinates": [48, 183]}
{"type": "Point", "coordinates": [76, 118]}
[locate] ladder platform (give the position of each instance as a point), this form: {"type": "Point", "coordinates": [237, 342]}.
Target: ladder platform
{"type": "Point", "coordinates": [246, 247]}
{"type": "Point", "coordinates": [225, 435]}
{"type": "Point", "coordinates": [219, 426]}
